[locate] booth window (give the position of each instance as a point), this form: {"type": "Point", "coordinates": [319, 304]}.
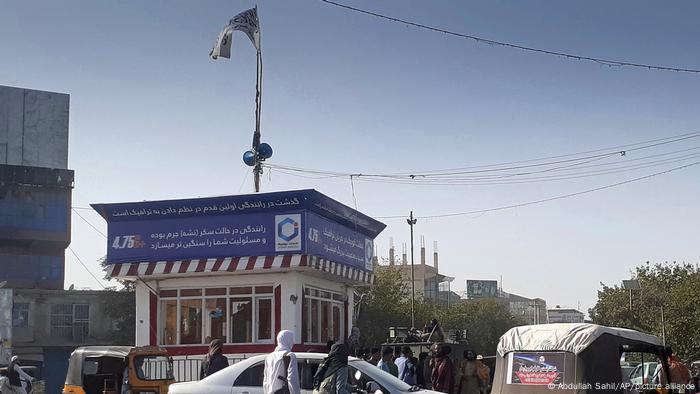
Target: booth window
{"type": "Point", "coordinates": [323, 314]}
{"type": "Point", "coordinates": [234, 315]}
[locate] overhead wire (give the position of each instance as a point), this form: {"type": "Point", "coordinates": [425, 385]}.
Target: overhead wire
{"type": "Point", "coordinates": [481, 40]}
{"type": "Point", "coordinates": [540, 201]}
{"type": "Point", "coordinates": [85, 267]}
{"type": "Point", "coordinates": [561, 164]}
{"type": "Point", "coordinates": [454, 182]}
{"type": "Point", "coordinates": [75, 209]}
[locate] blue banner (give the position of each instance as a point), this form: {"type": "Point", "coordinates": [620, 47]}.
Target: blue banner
{"type": "Point", "coordinates": [338, 243]}
{"type": "Point", "coordinates": [267, 224]}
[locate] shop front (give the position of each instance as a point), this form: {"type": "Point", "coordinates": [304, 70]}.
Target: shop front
{"type": "Point", "coordinates": [241, 268]}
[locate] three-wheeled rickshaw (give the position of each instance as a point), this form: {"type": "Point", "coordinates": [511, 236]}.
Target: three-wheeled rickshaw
{"type": "Point", "coordinates": [575, 358]}
{"type": "Point", "coordinates": [105, 369]}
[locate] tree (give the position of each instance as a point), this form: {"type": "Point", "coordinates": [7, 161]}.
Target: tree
{"type": "Point", "coordinates": [388, 304]}
{"type": "Point", "coordinates": [120, 305]}
{"type": "Point", "coordinates": [382, 306]}
{"type": "Point", "coordinates": [675, 287]}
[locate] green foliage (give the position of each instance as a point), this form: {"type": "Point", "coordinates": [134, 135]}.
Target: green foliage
{"type": "Point", "coordinates": [120, 306]}
{"type": "Point", "coordinates": [673, 286]}
{"type": "Point", "coordinates": [389, 304]}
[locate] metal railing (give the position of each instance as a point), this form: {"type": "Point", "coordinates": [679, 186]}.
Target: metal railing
{"type": "Point", "coordinates": [187, 369]}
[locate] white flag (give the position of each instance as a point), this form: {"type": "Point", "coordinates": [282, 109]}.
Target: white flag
{"type": "Point", "coordinates": [247, 22]}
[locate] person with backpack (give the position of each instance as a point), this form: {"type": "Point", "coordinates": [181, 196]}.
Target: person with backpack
{"type": "Point", "coordinates": [281, 374]}
{"type": "Point", "coordinates": [332, 375]}
{"type": "Point", "coordinates": [215, 360]}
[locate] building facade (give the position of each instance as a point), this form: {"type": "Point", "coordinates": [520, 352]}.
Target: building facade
{"type": "Point", "coordinates": [35, 188]}
{"type": "Point", "coordinates": [429, 284]}
{"type": "Point", "coordinates": [528, 310]}
{"type": "Point", "coordinates": [47, 325]}
{"type": "Point", "coordinates": [564, 315]}
{"type": "Point", "coordinates": [241, 268]}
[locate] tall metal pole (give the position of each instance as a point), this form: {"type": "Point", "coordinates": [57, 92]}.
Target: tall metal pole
{"type": "Point", "coordinates": [411, 221]}
{"type": "Point", "coordinates": [257, 169]}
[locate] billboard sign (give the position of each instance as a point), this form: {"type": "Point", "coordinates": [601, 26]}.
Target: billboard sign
{"type": "Point", "coordinates": [482, 289]}
{"type": "Point", "coordinates": [236, 226]}
{"type": "Point", "coordinates": [338, 243]}
{"type": "Point", "coordinates": [541, 368]}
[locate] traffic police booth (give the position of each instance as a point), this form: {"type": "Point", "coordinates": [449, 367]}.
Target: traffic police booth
{"type": "Point", "coordinates": [241, 268]}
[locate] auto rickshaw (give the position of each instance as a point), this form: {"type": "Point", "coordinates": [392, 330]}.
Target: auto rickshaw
{"type": "Point", "coordinates": [575, 357]}
{"type": "Point", "coordinates": [102, 370]}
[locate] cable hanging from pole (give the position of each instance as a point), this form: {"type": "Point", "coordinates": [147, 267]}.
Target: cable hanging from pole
{"type": "Point", "coordinates": [481, 40]}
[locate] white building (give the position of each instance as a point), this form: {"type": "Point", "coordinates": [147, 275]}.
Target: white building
{"type": "Point", "coordinates": [563, 315]}
{"type": "Point", "coordinates": [241, 268]}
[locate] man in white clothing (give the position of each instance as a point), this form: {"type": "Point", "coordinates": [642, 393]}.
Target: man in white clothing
{"type": "Point", "coordinates": [406, 354]}
{"type": "Point", "coordinates": [281, 374]}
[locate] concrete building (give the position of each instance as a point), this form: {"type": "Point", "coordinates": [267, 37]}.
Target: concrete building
{"type": "Point", "coordinates": [564, 315]}
{"type": "Point", "coordinates": [35, 188]}
{"type": "Point", "coordinates": [428, 282]}
{"type": "Point", "coordinates": [47, 325]}
{"type": "Point", "coordinates": [529, 310]}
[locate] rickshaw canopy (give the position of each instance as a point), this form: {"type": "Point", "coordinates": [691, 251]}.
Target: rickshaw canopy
{"type": "Point", "coordinates": [569, 337]}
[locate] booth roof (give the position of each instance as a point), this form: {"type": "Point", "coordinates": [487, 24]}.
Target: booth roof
{"type": "Point", "coordinates": [306, 199]}
{"type": "Point", "coordinates": [570, 337]}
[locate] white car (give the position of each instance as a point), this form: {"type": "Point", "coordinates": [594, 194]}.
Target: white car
{"type": "Point", "coordinates": [245, 377]}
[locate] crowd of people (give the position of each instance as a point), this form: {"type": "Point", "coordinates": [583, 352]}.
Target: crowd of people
{"type": "Point", "coordinates": [434, 370]}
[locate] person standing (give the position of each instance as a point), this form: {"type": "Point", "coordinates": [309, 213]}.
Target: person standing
{"type": "Point", "coordinates": [281, 374]}
{"type": "Point", "coordinates": [18, 379]}
{"type": "Point", "coordinates": [406, 353]}
{"type": "Point", "coordinates": [484, 373]}
{"type": "Point", "coordinates": [409, 375]}
{"type": "Point", "coordinates": [386, 364]}
{"type": "Point", "coordinates": [332, 375]}
{"type": "Point", "coordinates": [421, 367]}
{"type": "Point", "coordinates": [375, 356]}
{"type": "Point", "coordinates": [215, 360]}
{"type": "Point", "coordinates": [441, 366]}
{"type": "Point", "coordinates": [468, 374]}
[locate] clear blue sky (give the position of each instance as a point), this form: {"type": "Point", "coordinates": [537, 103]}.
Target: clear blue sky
{"type": "Point", "coordinates": [152, 117]}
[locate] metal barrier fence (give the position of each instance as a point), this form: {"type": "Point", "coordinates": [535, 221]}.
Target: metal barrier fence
{"type": "Point", "coordinates": [187, 369]}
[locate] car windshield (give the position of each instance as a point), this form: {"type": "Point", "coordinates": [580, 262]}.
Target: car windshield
{"type": "Point", "coordinates": [386, 380]}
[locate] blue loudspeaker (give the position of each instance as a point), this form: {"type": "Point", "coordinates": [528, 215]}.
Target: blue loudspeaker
{"type": "Point", "coordinates": [265, 150]}
{"type": "Point", "coordinates": [249, 158]}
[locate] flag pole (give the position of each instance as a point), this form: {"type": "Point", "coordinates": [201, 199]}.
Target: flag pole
{"type": "Point", "coordinates": [257, 169]}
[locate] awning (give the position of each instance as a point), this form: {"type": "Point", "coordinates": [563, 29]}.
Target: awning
{"type": "Point", "coordinates": [237, 265]}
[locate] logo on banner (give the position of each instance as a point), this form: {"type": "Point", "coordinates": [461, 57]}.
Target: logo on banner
{"type": "Point", "coordinates": [369, 254]}
{"type": "Point", "coordinates": [288, 234]}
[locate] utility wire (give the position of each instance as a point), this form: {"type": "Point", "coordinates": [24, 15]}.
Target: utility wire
{"type": "Point", "coordinates": [524, 204]}
{"type": "Point", "coordinates": [481, 40]}
{"type": "Point", "coordinates": [86, 221]}
{"type": "Point", "coordinates": [521, 180]}
{"type": "Point", "coordinates": [570, 162]}
{"type": "Point", "coordinates": [85, 266]}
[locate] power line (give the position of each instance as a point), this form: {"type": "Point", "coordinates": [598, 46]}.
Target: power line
{"type": "Point", "coordinates": [88, 223]}
{"type": "Point", "coordinates": [523, 180]}
{"type": "Point", "coordinates": [546, 199]}
{"type": "Point", "coordinates": [85, 266]}
{"type": "Point", "coordinates": [566, 161]}
{"type": "Point", "coordinates": [481, 40]}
